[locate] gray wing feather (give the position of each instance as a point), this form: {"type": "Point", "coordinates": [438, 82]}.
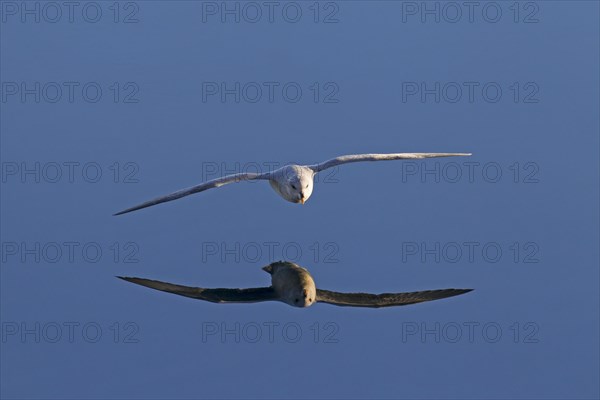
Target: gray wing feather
{"type": "Point", "coordinates": [384, 299]}
{"type": "Point", "coordinates": [379, 157]}
{"type": "Point", "coordinates": [196, 189]}
{"type": "Point", "coordinates": [221, 295]}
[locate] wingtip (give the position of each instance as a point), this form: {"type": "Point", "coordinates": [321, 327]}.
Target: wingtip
{"type": "Point", "coordinates": [138, 207]}
{"type": "Point", "coordinates": [127, 278]}
{"type": "Point", "coordinates": [121, 212]}
{"type": "Point", "coordinates": [463, 291]}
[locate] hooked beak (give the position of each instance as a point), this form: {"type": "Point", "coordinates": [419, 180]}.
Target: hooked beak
{"type": "Point", "coordinates": [302, 200]}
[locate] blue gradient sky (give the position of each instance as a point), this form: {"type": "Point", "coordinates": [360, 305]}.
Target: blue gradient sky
{"type": "Point", "coordinates": [365, 221]}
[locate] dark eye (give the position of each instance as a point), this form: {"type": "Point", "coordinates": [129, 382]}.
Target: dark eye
{"type": "Point", "coordinates": [306, 186]}
{"type": "Point", "coordinates": [294, 187]}
{"type": "Point", "coordinates": [297, 300]}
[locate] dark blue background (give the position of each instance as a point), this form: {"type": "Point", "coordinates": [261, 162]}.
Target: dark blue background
{"type": "Point", "coordinates": [367, 215]}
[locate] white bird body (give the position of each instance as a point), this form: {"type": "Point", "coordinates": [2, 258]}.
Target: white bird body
{"type": "Point", "coordinates": [294, 183]}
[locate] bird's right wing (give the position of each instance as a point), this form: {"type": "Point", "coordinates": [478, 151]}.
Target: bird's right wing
{"type": "Point", "coordinates": [251, 295]}
{"type": "Point", "coordinates": [384, 299]}
{"type": "Point", "coordinates": [198, 188]}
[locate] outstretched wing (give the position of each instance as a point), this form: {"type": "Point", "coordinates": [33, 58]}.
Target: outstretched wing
{"type": "Point", "coordinates": [198, 188]}
{"type": "Point", "coordinates": [251, 295]}
{"type": "Point", "coordinates": [378, 157]}
{"type": "Point", "coordinates": [384, 299]}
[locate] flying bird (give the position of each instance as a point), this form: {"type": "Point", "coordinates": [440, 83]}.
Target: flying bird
{"type": "Point", "coordinates": [294, 285]}
{"type": "Point", "coordinates": [292, 182]}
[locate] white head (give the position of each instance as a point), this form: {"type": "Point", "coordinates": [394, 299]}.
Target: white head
{"type": "Point", "coordinates": [294, 183]}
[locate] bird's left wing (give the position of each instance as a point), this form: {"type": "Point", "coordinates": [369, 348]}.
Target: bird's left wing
{"type": "Point", "coordinates": [378, 157]}
{"type": "Point", "coordinates": [384, 299]}
{"type": "Point", "coordinates": [251, 295]}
